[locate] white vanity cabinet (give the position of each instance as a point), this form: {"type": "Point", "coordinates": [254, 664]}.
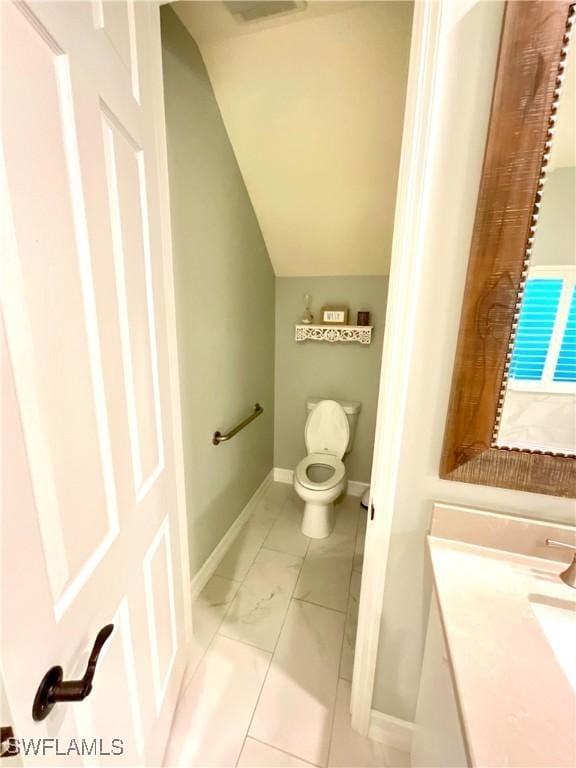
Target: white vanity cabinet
{"type": "Point", "coordinates": [438, 739]}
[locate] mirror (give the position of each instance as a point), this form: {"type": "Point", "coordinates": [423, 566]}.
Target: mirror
{"type": "Point", "coordinates": [539, 392]}
{"type": "Point", "coordinates": [512, 414]}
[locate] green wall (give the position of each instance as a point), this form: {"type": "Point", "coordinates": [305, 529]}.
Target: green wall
{"type": "Point", "coordinates": [555, 240]}
{"type": "Point", "coordinates": [321, 369]}
{"type": "Point", "coordinates": [224, 301]}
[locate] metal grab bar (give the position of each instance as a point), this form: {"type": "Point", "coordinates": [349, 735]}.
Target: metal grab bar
{"type": "Point", "coordinates": [218, 437]}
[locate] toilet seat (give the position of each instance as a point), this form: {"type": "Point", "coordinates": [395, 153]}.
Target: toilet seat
{"type": "Point", "coordinates": [327, 429]}
{"type": "Point", "coordinates": [323, 459]}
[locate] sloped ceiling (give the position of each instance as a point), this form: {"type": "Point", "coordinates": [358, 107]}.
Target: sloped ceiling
{"type": "Point", "coordinates": [313, 100]}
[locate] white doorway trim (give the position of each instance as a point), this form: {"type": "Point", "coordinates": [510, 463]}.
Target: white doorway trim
{"type": "Point", "coordinates": [170, 309]}
{"type": "Point", "coordinates": [420, 121]}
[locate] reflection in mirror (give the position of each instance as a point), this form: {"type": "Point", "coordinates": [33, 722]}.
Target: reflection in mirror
{"type": "Point", "coordinates": [539, 404]}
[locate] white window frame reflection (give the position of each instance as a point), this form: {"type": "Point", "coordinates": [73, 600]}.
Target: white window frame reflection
{"type": "Point", "coordinates": [546, 383]}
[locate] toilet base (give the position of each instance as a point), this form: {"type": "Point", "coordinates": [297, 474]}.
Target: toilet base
{"type": "Point", "coordinates": [318, 520]}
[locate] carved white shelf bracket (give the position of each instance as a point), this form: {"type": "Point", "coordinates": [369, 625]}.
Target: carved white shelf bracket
{"type": "Point", "coordinates": [361, 334]}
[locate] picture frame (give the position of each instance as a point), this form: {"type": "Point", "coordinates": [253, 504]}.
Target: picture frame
{"type": "Point", "coordinates": [523, 108]}
{"type": "Point", "coordinates": [334, 315]}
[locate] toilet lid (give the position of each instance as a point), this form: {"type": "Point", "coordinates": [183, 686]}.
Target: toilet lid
{"type": "Point", "coordinates": [327, 429]}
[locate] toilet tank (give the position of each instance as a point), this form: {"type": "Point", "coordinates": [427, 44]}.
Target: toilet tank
{"type": "Point", "coordinates": [351, 408]}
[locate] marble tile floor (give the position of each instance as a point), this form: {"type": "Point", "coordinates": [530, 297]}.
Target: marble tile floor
{"type": "Point", "coordinates": [269, 676]}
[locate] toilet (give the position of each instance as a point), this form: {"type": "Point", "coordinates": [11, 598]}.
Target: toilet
{"type": "Point", "coordinates": [320, 477]}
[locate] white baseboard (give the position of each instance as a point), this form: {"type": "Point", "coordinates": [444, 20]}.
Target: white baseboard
{"type": "Point", "coordinates": [202, 576]}
{"type": "Point", "coordinates": [355, 488]}
{"type": "Point", "coordinates": [391, 731]}
{"type": "Point", "coordinates": [283, 475]}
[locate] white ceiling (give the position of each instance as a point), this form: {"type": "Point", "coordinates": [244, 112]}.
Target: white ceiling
{"type": "Point", "coordinates": [313, 100]}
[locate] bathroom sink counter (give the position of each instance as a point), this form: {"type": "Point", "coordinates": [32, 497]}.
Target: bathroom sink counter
{"type": "Point", "coordinates": [516, 702]}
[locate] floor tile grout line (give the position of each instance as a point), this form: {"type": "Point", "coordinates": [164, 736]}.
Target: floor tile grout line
{"type": "Point", "coordinates": [209, 646]}
{"type": "Point", "coordinates": [358, 513]}
{"type": "Point", "coordinates": [269, 667]}
{"type": "Point", "coordinates": [319, 605]}
{"type": "Point", "coordinates": [333, 723]}
{"type": "Point", "coordinates": [246, 642]}
{"type": "Point", "coordinates": [198, 665]}
{"type": "Point", "coordinates": [292, 598]}
{"type": "Point", "coordinates": [355, 534]}
{"type": "Point", "coordinates": [284, 751]}
{"type": "Point", "coordinates": [357, 520]}
{"type": "Point", "coordinates": [240, 582]}
{"type": "Point", "coordinates": [333, 718]}
{"type": "Point", "coordinates": [247, 731]}
{"type": "Point", "coordinates": [361, 512]}
{"type": "Point", "coordinates": [304, 554]}
{"type": "Point", "coordinates": [217, 630]}
{"type": "Point", "coordinates": [216, 634]}
{"type": "Point", "coordinates": [252, 563]}
{"type": "Point", "coordinates": [351, 567]}
{"type": "Point", "coordinates": [252, 515]}
{"type": "Point", "coordinates": [282, 551]}
{"type": "Point", "coordinates": [346, 620]}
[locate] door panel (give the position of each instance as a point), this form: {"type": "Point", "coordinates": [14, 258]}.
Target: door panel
{"type": "Point", "coordinates": [118, 22]}
{"type": "Point", "coordinates": [90, 516]}
{"type": "Point", "coordinates": [160, 611]}
{"type": "Point", "coordinates": [42, 174]}
{"type": "Point", "coordinates": [97, 719]}
{"type": "Point", "coordinates": [127, 195]}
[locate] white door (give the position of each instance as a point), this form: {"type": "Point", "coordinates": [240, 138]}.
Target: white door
{"type": "Point", "coordinates": [92, 513]}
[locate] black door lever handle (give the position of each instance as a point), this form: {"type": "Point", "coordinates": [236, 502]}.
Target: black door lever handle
{"type": "Point", "coordinates": [54, 688]}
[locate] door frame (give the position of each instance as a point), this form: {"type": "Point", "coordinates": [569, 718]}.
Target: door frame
{"type": "Point", "coordinates": [170, 310]}
{"type": "Point", "coordinates": [425, 79]}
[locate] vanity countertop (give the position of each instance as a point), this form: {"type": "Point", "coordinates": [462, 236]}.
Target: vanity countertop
{"type": "Point", "coordinates": [517, 705]}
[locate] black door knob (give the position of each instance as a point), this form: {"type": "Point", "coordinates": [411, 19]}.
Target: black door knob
{"type": "Point", "coordinates": [54, 688]}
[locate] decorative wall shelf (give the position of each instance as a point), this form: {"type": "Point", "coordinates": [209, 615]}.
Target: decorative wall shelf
{"type": "Point", "coordinates": [362, 334]}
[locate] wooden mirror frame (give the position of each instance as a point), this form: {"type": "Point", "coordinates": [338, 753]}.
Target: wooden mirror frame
{"type": "Point", "coordinates": [524, 103]}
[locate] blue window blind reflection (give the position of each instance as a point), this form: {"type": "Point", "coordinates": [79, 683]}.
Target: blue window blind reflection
{"type": "Point", "coordinates": [566, 365]}
{"type": "Point", "coordinates": [535, 327]}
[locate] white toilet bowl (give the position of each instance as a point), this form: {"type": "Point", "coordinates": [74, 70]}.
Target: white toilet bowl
{"type": "Point", "coordinates": [319, 479]}
{"type": "Point", "coordinates": [321, 476]}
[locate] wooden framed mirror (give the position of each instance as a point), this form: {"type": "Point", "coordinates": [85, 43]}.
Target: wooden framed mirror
{"type": "Point", "coordinates": [512, 413]}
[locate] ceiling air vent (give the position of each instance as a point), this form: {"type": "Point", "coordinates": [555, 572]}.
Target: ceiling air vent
{"type": "Point", "coordinates": [254, 10]}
